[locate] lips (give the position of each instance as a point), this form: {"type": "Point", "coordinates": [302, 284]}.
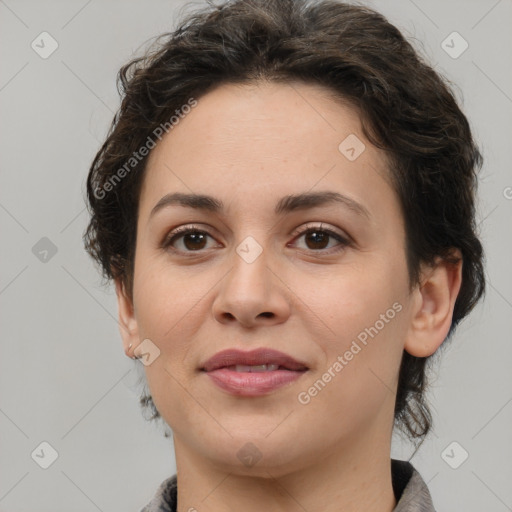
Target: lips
{"type": "Point", "coordinates": [253, 374]}
{"type": "Point", "coordinates": [232, 358]}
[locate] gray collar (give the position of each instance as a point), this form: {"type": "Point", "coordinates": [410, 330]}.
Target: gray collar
{"type": "Point", "coordinates": [410, 490]}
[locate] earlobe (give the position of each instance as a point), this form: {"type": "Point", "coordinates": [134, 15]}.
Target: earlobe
{"type": "Point", "coordinates": [433, 308]}
{"type": "Point", "coordinates": [127, 322]}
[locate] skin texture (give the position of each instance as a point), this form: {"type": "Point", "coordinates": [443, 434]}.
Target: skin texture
{"type": "Point", "coordinates": [249, 146]}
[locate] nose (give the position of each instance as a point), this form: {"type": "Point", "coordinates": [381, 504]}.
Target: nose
{"type": "Point", "coordinates": [252, 294]}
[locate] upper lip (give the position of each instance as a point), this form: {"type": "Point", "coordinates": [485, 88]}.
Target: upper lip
{"type": "Point", "coordinates": [255, 357]}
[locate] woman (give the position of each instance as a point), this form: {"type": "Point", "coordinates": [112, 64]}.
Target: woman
{"type": "Point", "coordinates": [285, 202]}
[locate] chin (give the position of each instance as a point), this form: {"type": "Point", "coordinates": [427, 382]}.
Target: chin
{"type": "Point", "coordinates": [257, 455]}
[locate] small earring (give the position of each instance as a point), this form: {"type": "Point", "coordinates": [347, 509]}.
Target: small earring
{"type": "Point", "coordinates": [129, 347]}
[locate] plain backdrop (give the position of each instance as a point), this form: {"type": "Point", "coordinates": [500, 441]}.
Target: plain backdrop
{"type": "Point", "coordinates": [64, 379]}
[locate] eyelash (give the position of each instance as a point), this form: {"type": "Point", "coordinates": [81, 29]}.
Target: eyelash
{"type": "Point", "coordinates": [185, 230]}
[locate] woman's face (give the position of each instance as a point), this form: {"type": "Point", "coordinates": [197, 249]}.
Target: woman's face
{"type": "Point", "coordinates": [249, 277]}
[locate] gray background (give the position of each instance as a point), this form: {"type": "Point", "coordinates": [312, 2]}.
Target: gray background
{"type": "Point", "coordinates": [64, 378]}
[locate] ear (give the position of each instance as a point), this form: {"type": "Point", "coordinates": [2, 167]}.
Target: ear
{"type": "Point", "coordinates": [127, 322]}
{"type": "Point", "coordinates": [433, 306]}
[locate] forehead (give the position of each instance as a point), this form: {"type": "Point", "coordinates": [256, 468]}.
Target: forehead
{"type": "Point", "coordinates": [251, 144]}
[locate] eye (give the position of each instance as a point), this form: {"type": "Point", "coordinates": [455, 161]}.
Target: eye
{"type": "Point", "coordinates": [317, 238]}
{"type": "Point", "coordinates": [192, 239]}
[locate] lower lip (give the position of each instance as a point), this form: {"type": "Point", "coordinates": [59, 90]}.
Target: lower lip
{"type": "Point", "coordinates": [252, 383]}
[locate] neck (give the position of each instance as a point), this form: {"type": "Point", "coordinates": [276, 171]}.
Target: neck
{"type": "Point", "coordinates": [353, 477]}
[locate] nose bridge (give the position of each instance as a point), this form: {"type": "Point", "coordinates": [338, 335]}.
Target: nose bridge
{"type": "Point", "coordinates": [250, 291]}
{"type": "Point", "coordinates": [249, 275]}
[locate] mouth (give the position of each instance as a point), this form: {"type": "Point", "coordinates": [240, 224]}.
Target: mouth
{"type": "Point", "coordinates": [256, 368]}
{"type": "Point", "coordinates": [254, 373]}
{"type": "Point", "coordinates": [258, 360]}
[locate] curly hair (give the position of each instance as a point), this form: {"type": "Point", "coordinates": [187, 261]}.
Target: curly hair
{"type": "Point", "coordinates": [406, 108]}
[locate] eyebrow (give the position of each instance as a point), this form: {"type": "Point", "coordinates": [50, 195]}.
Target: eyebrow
{"type": "Point", "coordinates": [286, 204]}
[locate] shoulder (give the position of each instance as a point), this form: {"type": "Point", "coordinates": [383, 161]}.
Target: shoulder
{"type": "Point", "coordinates": [410, 489]}
{"type": "Point", "coordinates": [165, 498]}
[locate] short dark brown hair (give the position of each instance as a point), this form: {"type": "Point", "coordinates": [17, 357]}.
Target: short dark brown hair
{"type": "Point", "coordinates": [407, 109]}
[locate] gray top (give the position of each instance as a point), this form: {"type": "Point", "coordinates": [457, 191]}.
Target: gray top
{"type": "Point", "coordinates": [410, 490]}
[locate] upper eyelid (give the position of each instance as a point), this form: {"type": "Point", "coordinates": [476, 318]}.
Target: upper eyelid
{"type": "Point", "coordinates": [320, 226]}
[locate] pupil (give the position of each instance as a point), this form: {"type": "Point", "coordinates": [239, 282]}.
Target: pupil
{"type": "Point", "coordinates": [320, 238]}
{"type": "Point", "coordinates": [195, 237]}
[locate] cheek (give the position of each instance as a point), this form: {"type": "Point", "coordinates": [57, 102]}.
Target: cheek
{"type": "Point", "coordinates": [167, 300]}
{"type": "Point", "coordinates": [347, 299]}
{"type": "Point", "coordinates": [358, 380]}
{"type": "Point", "coordinates": [170, 311]}
{"type": "Point", "coordinates": [361, 334]}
